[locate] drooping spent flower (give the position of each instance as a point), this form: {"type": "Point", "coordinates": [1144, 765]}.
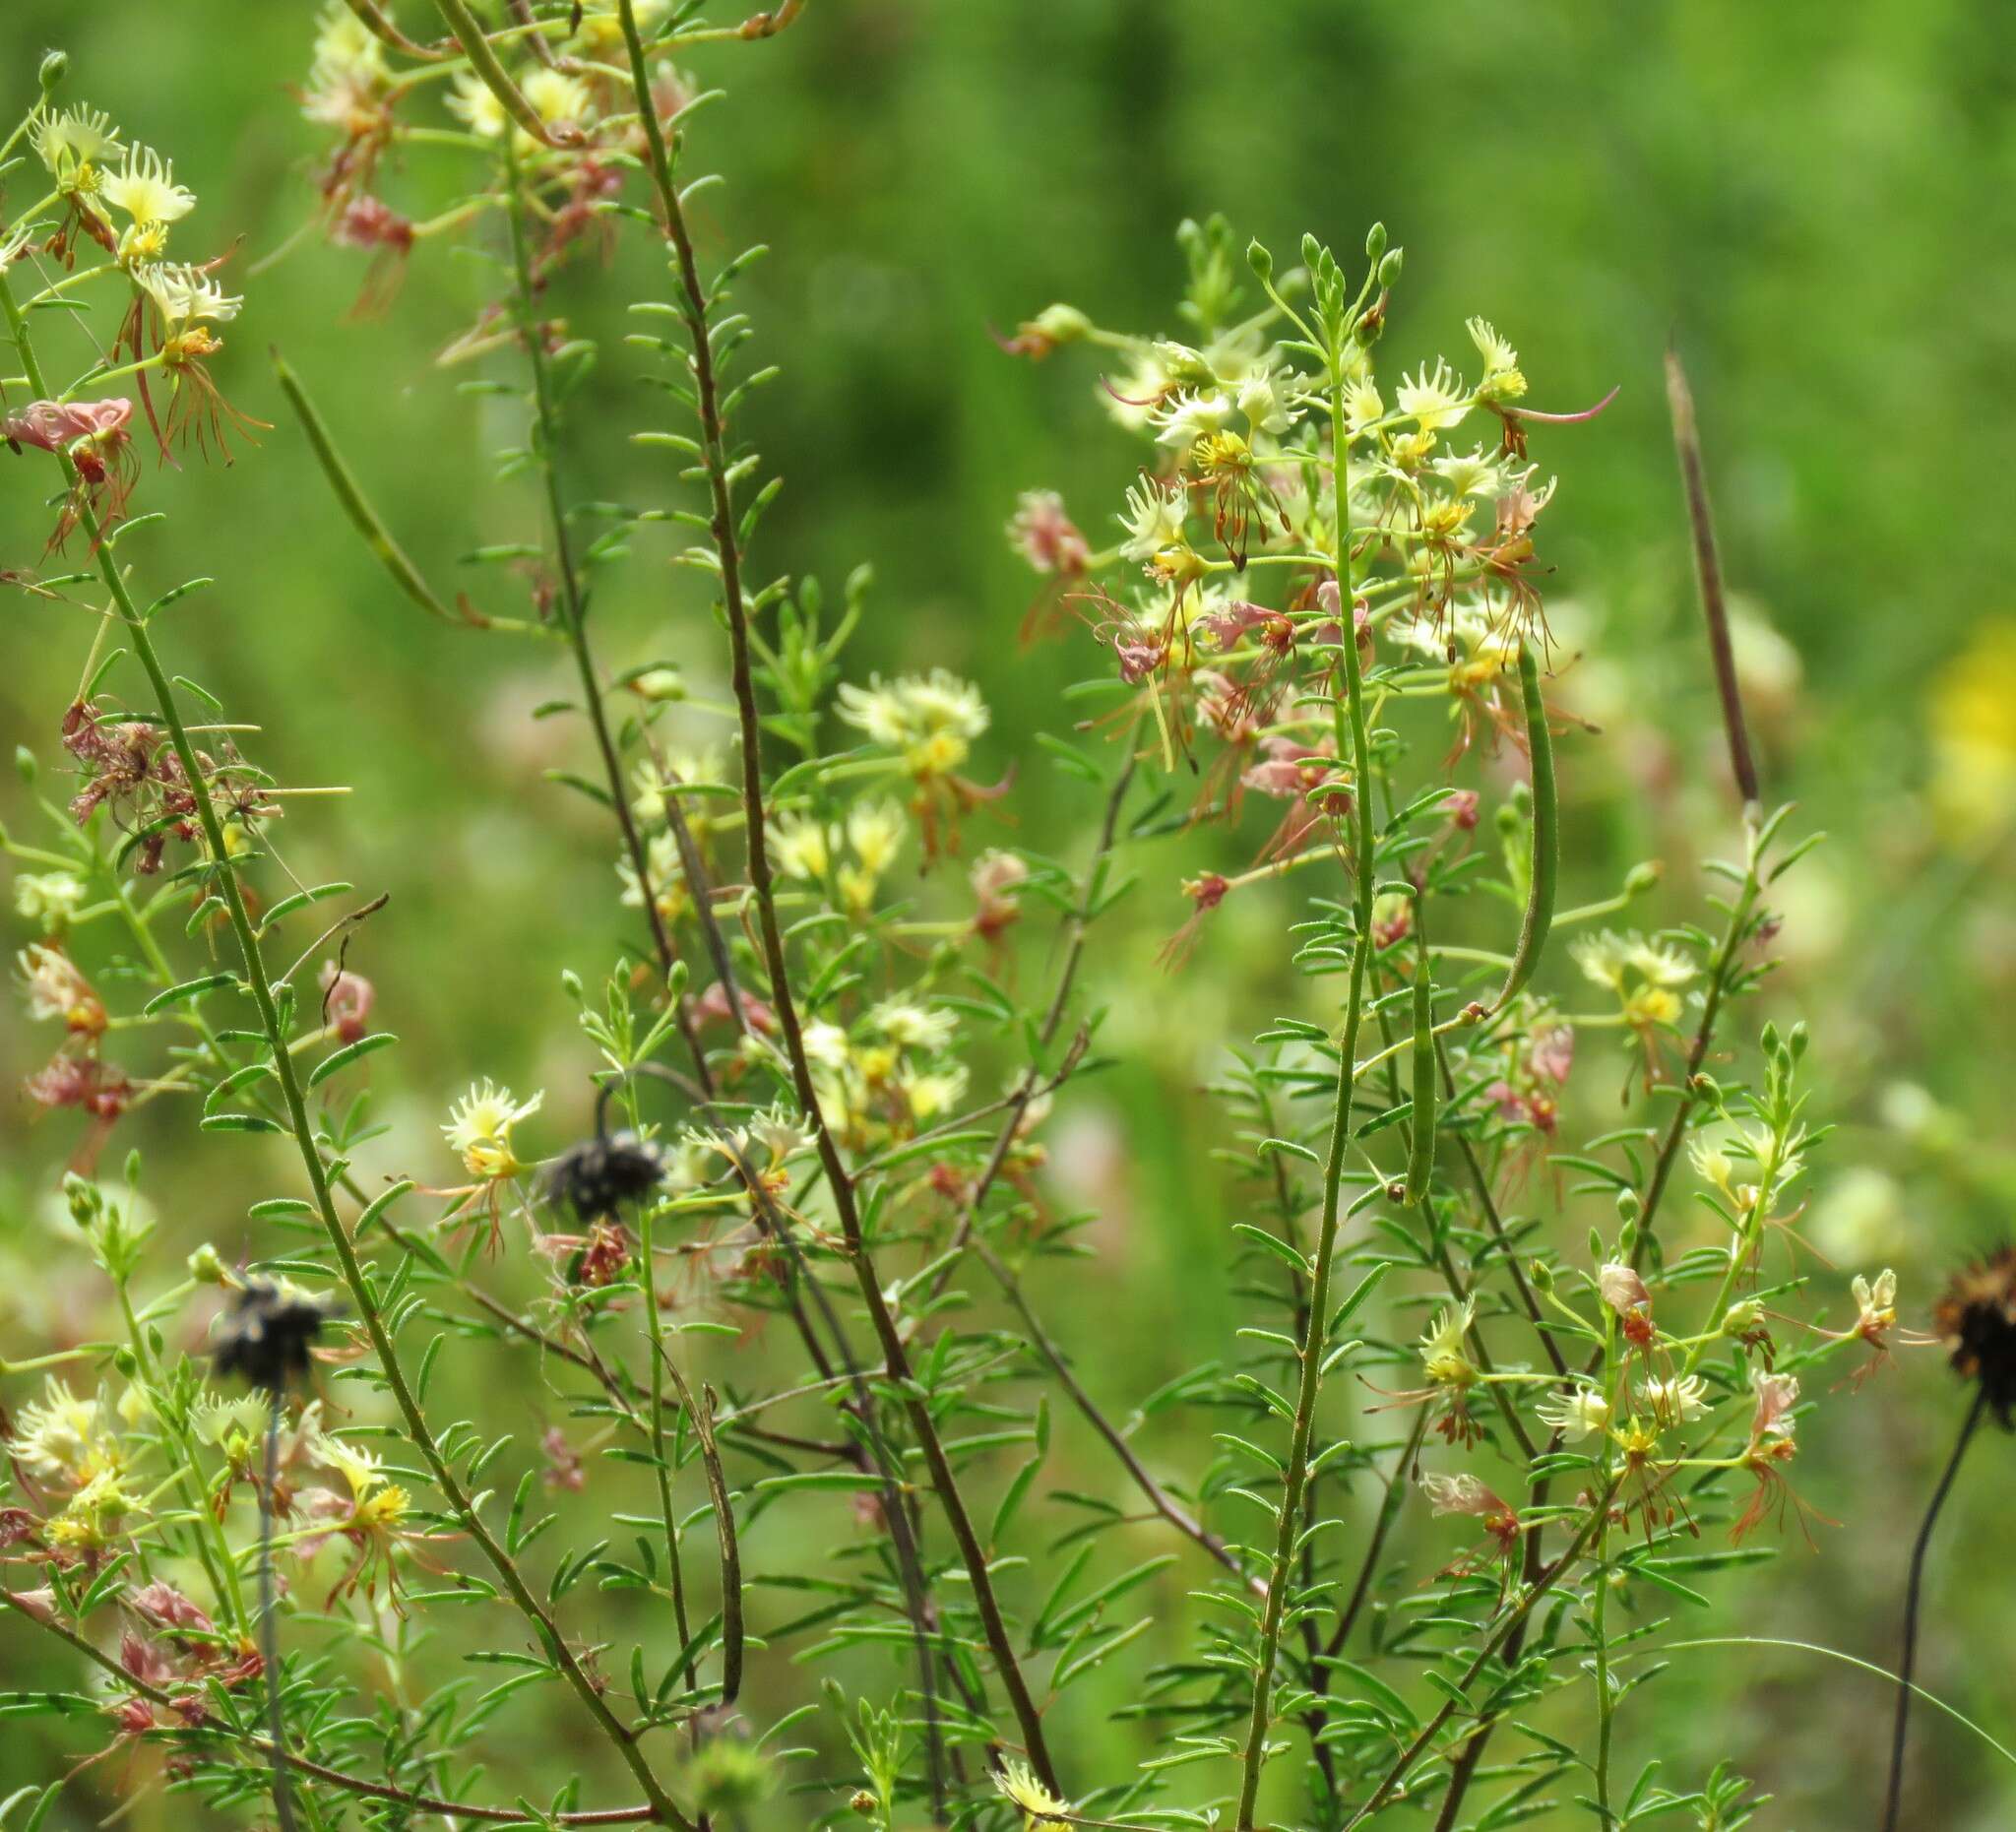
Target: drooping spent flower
{"type": "Point", "coordinates": [1624, 1290]}
{"type": "Point", "coordinates": [1777, 1395]}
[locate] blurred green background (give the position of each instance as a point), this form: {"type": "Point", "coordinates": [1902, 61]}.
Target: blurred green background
{"type": "Point", "coordinates": [1816, 204]}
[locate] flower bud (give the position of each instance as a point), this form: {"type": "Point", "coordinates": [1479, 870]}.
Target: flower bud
{"type": "Point", "coordinates": [1540, 1275]}
{"type": "Point", "coordinates": [207, 1266]}
{"type": "Point", "coordinates": [1629, 1208]}
{"type": "Point", "coordinates": [1641, 877]}
{"type": "Point", "coordinates": [1740, 1319]}
{"type": "Point", "coordinates": [660, 684]}
{"type": "Point", "coordinates": [1389, 268]}
{"type": "Point", "coordinates": [1063, 324]}
{"type": "Point", "coordinates": [86, 1204]}
{"type": "Point", "coordinates": [25, 764]}
{"type": "Point", "coordinates": [1376, 241]}
{"type": "Point", "coordinates": [55, 67]}
{"type": "Point", "coordinates": [1259, 260]}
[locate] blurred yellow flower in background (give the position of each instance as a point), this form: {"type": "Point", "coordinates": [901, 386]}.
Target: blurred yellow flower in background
{"type": "Point", "coordinates": [1973, 720]}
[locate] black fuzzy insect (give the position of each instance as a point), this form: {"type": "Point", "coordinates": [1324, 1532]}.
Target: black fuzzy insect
{"type": "Point", "coordinates": [264, 1337]}
{"type": "Point", "coordinates": [599, 1176]}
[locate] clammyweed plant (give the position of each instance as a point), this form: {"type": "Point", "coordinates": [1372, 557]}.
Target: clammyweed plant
{"type": "Point", "coordinates": [781, 1289]}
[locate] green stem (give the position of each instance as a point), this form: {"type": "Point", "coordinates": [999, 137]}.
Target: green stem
{"type": "Point", "coordinates": [1352, 713]}
{"type": "Point", "coordinates": [655, 1348]}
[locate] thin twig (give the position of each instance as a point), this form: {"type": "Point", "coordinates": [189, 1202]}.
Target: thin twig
{"type": "Point", "coordinates": [1894, 1794]}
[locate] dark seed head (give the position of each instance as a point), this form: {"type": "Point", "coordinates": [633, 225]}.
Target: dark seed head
{"type": "Point", "coordinates": [264, 1337]}
{"type": "Point", "coordinates": [1977, 1320]}
{"type": "Point", "coordinates": [599, 1176]}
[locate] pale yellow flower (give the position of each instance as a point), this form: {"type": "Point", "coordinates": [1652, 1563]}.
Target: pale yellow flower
{"type": "Point", "coordinates": [479, 1128]}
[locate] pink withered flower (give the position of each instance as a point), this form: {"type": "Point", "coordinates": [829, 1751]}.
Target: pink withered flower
{"type": "Point", "coordinates": [1625, 1293]}
{"type": "Point", "coordinates": [996, 878]}
{"type": "Point", "coordinates": [166, 1607]}
{"type": "Point", "coordinates": [57, 988]}
{"type": "Point", "coordinates": [1287, 770]}
{"type": "Point", "coordinates": [94, 437]}
{"type": "Point", "coordinates": [1466, 1494]}
{"type": "Point", "coordinates": [1771, 1446]}
{"type": "Point", "coordinates": [1205, 893]}
{"type": "Point", "coordinates": [59, 425]}
{"type": "Point", "coordinates": [71, 1080]}
{"type": "Point", "coordinates": [1237, 618]}
{"type": "Point", "coordinates": [1308, 778]}
{"type": "Point", "coordinates": [347, 1001]}
{"type": "Point", "coordinates": [1462, 1494]}
{"type": "Point", "coordinates": [1777, 1395]}
{"type": "Point", "coordinates": [370, 223]}
{"type": "Point", "coordinates": [712, 1007]}
{"type": "Point", "coordinates": [1045, 537]}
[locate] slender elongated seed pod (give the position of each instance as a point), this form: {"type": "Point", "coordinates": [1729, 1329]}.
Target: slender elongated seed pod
{"type": "Point", "coordinates": [1547, 839]}
{"type": "Point", "coordinates": [385, 32]}
{"type": "Point", "coordinates": [482, 59]}
{"type": "Point", "coordinates": [1420, 1158]}
{"type": "Point", "coordinates": [365, 519]}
